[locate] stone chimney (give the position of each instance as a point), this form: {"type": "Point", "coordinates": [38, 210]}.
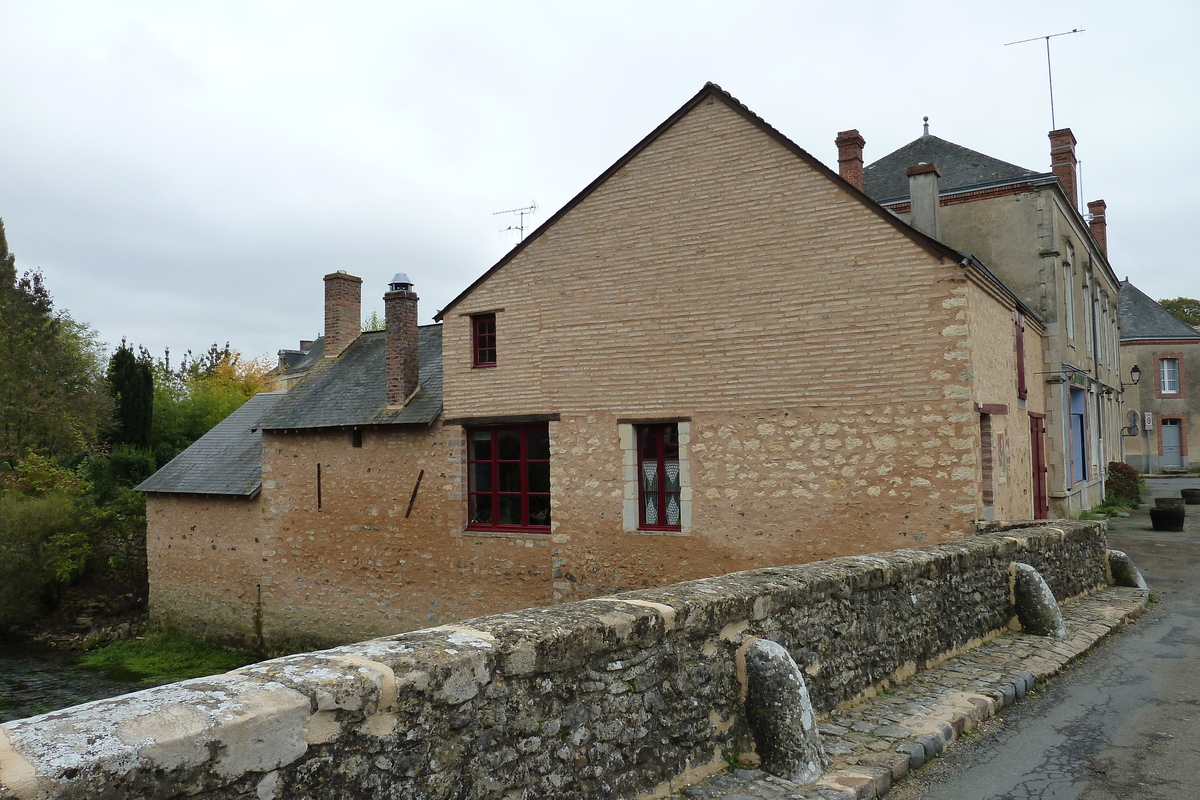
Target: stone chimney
{"type": "Point", "coordinates": [925, 199]}
{"type": "Point", "coordinates": [850, 157]}
{"type": "Point", "coordinates": [1098, 224]}
{"type": "Point", "coordinates": [400, 315]}
{"type": "Point", "coordinates": [1063, 163]}
{"type": "Point", "coordinates": [343, 311]}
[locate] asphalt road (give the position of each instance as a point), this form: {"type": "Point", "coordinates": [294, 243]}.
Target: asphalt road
{"type": "Point", "coordinates": [1122, 723]}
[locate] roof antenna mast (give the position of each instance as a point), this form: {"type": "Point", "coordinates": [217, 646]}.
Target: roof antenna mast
{"type": "Point", "coordinates": [1049, 71]}
{"type": "Point", "coordinates": [520, 226]}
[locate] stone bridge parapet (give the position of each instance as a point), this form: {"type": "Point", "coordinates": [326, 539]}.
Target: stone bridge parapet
{"type": "Point", "coordinates": [614, 697]}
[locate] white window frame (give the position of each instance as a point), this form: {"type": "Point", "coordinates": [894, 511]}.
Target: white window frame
{"type": "Point", "coordinates": [1168, 375]}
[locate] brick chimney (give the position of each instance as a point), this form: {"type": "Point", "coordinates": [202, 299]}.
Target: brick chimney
{"type": "Point", "coordinates": [1063, 163]}
{"type": "Point", "coordinates": [1098, 224]}
{"type": "Point", "coordinates": [343, 311]}
{"type": "Point", "coordinates": [925, 199]}
{"type": "Point", "coordinates": [400, 316]}
{"type": "Point", "coordinates": [850, 157]}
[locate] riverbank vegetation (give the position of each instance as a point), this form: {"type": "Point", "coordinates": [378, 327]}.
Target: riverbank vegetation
{"type": "Point", "coordinates": [80, 427]}
{"type": "Point", "coordinates": [164, 657]}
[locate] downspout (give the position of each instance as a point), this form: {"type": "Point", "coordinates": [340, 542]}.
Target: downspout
{"type": "Point", "coordinates": [1095, 299]}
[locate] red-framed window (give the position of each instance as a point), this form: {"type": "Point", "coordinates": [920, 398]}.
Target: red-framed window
{"type": "Point", "coordinates": [659, 505]}
{"type": "Point", "coordinates": [508, 476]}
{"type": "Point", "coordinates": [483, 340]}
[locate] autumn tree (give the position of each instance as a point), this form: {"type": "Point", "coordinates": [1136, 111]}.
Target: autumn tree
{"type": "Point", "coordinates": [1185, 308]}
{"type": "Point", "coordinates": [192, 398]}
{"type": "Point", "coordinates": [52, 393]}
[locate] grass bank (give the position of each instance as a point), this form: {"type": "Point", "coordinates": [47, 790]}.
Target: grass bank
{"type": "Point", "coordinates": [164, 657]}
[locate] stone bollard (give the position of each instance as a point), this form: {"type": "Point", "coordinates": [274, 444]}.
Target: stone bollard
{"type": "Point", "coordinates": [1037, 609]}
{"type": "Point", "coordinates": [1124, 573]}
{"type": "Point", "coordinates": [780, 714]}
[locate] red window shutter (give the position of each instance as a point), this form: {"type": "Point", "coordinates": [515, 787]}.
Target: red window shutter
{"type": "Point", "coordinates": [1022, 387]}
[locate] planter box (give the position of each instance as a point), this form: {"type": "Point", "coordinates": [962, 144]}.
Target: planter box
{"type": "Point", "coordinates": [1167, 519]}
{"type": "Point", "coordinates": [1168, 502]}
{"type": "Point", "coordinates": [1191, 496]}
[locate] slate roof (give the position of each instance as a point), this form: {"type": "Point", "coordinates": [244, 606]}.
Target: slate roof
{"type": "Point", "coordinates": [886, 180]}
{"type": "Point", "coordinates": [227, 460]}
{"type": "Point", "coordinates": [1142, 318]}
{"type": "Point", "coordinates": [351, 390]}
{"type": "Point", "coordinates": [294, 360]}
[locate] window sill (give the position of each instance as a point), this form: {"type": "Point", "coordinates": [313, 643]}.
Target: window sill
{"type": "Point", "coordinates": [658, 532]}
{"type": "Point", "coordinates": [483, 366]}
{"type": "Point", "coordinates": [540, 533]}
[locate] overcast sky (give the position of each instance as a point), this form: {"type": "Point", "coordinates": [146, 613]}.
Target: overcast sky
{"type": "Point", "coordinates": [185, 173]}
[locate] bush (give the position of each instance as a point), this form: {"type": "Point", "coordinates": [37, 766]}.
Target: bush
{"type": "Point", "coordinates": [1125, 485]}
{"type": "Point", "coordinates": [42, 548]}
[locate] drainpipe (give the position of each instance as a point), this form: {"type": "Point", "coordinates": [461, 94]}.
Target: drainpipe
{"type": "Point", "coordinates": [1095, 301]}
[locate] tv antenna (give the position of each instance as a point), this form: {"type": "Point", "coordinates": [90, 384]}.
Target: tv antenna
{"type": "Point", "coordinates": [1049, 71]}
{"type": "Point", "coordinates": [520, 226]}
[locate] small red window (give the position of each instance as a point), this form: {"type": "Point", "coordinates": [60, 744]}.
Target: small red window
{"type": "Point", "coordinates": [658, 481]}
{"type": "Point", "coordinates": [483, 335]}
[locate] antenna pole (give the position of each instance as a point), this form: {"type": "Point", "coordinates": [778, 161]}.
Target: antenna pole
{"type": "Point", "coordinates": [1049, 70]}
{"type": "Point", "coordinates": [520, 226]}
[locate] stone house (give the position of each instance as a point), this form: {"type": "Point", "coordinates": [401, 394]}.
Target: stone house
{"type": "Point", "coordinates": [719, 355]}
{"type": "Point", "coordinates": [1162, 414]}
{"type": "Point", "coordinates": [1027, 227]}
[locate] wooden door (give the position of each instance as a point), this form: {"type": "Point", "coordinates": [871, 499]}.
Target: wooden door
{"type": "Point", "coordinates": [1037, 448]}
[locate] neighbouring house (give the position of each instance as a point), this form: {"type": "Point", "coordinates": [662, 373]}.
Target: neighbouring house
{"type": "Point", "coordinates": [1163, 411]}
{"type": "Point", "coordinates": [1027, 227]}
{"type": "Point", "coordinates": [647, 389]}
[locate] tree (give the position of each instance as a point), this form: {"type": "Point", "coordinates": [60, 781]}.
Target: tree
{"type": "Point", "coordinates": [374, 322]}
{"type": "Point", "coordinates": [53, 400]}
{"type": "Point", "coordinates": [202, 391]}
{"type": "Point", "coordinates": [132, 386]}
{"type": "Point", "coordinates": [1185, 308]}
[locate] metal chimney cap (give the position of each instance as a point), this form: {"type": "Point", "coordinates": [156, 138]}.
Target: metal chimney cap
{"type": "Point", "coordinates": [400, 283]}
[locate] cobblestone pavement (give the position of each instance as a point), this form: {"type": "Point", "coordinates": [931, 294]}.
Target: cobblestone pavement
{"type": "Point", "coordinates": [875, 743]}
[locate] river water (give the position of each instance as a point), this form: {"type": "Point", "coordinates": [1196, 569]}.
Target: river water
{"type": "Point", "coordinates": [35, 680]}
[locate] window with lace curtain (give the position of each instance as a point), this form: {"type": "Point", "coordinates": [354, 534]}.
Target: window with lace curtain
{"type": "Point", "coordinates": [659, 496]}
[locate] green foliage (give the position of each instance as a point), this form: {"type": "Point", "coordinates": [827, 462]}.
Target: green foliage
{"type": "Point", "coordinates": [1124, 484]}
{"type": "Point", "coordinates": [374, 322]}
{"type": "Point", "coordinates": [1185, 308]}
{"type": "Point", "coordinates": [190, 400]}
{"type": "Point", "coordinates": [42, 547]}
{"type": "Point", "coordinates": [165, 658]}
{"type": "Point", "coordinates": [53, 399]}
{"type": "Point", "coordinates": [132, 386]}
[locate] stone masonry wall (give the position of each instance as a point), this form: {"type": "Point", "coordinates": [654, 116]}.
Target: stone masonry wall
{"type": "Point", "coordinates": [608, 698]}
{"type": "Point", "coordinates": [994, 383]}
{"type": "Point", "coordinates": [364, 563]}
{"type": "Point", "coordinates": [204, 556]}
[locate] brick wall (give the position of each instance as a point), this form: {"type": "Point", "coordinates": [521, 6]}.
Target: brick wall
{"type": "Point", "coordinates": [343, 311]}
{"type": "Point", "coordinates": [716, 277]}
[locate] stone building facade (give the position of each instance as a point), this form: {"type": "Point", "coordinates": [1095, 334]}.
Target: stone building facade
{"type": "Point", "coordinates": [1026, 226]}
{"type": "Point", "coordinates": [1162, 414]}
{"type": "Point", "coordinates": [648, 389]}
